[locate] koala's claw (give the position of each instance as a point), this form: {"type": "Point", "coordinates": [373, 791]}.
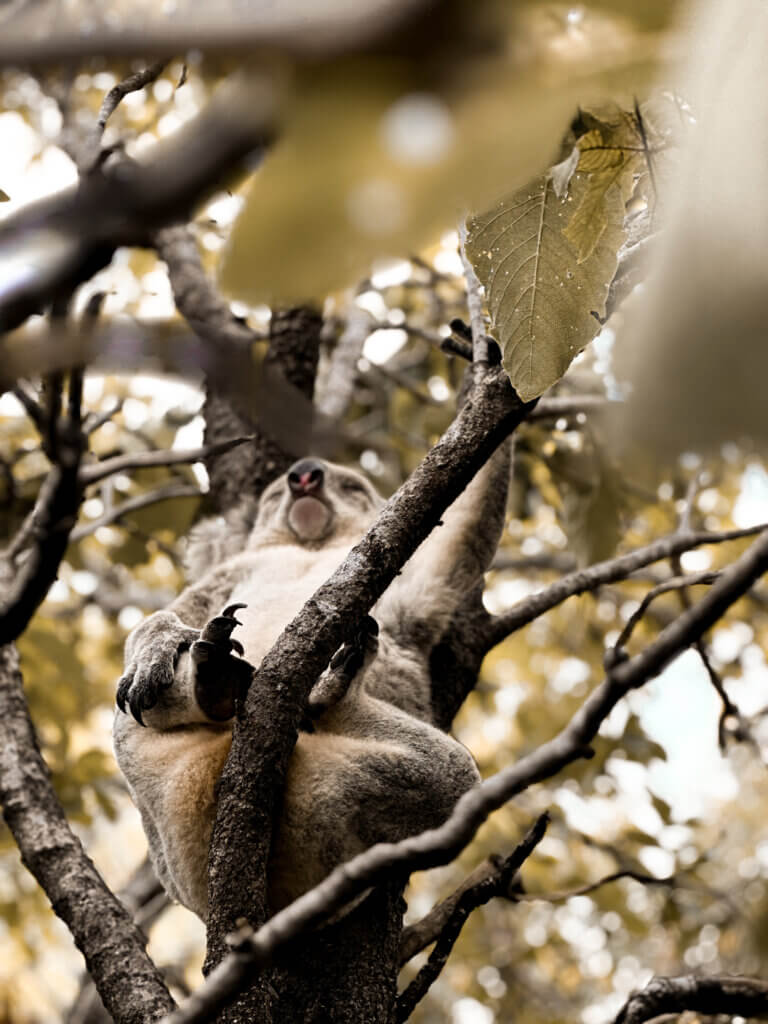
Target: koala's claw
{"type": "Point", "coordinates": [139, 688]}
{"type": "Point", "coordinates": [221, 679]}
{"type": "Point", "coordinates": [231, 609]}
{"type": "Point", "coordinates": [350, 659]}
{"type": "Point", "coordinates": [218, 630]}
{"type": "Point", "coordinates": [351, 656]}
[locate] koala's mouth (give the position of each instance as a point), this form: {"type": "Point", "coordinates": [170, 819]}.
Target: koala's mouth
{"type": "Point", "coordinates": [309, 518]}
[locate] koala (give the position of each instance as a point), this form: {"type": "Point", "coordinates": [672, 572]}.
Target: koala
{"type": "Point", "coordinates": [372, 767]}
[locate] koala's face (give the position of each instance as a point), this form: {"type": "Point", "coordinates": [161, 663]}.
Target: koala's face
{"type": "Point", "coordinates": [316, 501]}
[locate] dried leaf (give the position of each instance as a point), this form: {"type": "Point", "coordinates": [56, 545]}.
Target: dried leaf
{"type": "Point", "coordinates": [542, 300]}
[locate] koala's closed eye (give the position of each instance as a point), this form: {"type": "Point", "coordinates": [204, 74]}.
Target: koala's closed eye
{"type": "Point", "coordinates": [353, 486]}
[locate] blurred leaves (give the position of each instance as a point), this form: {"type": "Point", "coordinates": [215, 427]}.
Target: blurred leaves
{"type": "Point", "coordinates": [694, 351]}
{"type": "Point", "coordinates": [379, 154]}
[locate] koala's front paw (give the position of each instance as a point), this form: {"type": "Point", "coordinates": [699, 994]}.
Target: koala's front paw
{"type": "Point", "coordinates": [350, 659]}
{"type": "Point", "coordinates": [221, 679]}
{"type": "Point", "coordinates": [153, 664]}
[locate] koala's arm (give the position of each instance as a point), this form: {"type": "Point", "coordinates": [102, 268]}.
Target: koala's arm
{"type": "Point", "coordinates": [159, 675]}
{"type": "Point", "coordinates": [419, 605]}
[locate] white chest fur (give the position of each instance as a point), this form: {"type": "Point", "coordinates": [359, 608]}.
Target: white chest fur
{"type": "Point", "coordinates": [281, 580]}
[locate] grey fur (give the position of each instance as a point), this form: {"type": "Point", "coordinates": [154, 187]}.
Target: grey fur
{"type": "Point", "coordinates": [375, 768]}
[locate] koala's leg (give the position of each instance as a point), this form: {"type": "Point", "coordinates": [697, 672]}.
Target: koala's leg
{"type": "Point", "coordinates": [393, 777]}
{"type": "Point", "coordinates": [172, 776]}
{"type": "Point", "coordinates": [349, 661]}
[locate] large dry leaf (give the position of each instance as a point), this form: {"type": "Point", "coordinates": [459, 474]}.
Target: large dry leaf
{"type": "Point", "coordinates": [541, 298]}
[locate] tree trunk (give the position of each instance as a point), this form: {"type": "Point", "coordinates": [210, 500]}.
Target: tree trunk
{"type": "Point", "coordinates": [345, 973]}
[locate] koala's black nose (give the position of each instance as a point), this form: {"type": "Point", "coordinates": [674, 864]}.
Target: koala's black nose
{"type": "Point", "coordinates": [305, 477]}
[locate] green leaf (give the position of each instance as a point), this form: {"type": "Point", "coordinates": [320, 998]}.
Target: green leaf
{"type": "Point", "coordinates": [542, 300]}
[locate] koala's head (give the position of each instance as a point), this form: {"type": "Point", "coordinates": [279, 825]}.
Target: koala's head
{"type": "Point", "coordinates": [316, 501]}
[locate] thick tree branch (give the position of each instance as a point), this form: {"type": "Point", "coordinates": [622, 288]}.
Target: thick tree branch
{"type": "Point", "coordinates": [611, 571]}
{"type": "Point", "coordinates": [307, 32]}
{"type": "Point", "coordinates": [195, 296]}
{"type": "Point", "coordinates": [128, 982]}
{"type": "Point", "coordinates": [496, 884]}
{"type": "Point", "coordinates": [734, 996]}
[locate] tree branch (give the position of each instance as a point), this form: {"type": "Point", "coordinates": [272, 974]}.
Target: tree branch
{"type": "Point", "coordinates": [195, 296]}
{"type": "Point", "coordinates": [133, 83]}
{"type": "Point", "coordinates": [734, 996]}
{"type": "Point", "coordinates": [133, 505]}
{"type": "Point", "coordinates": [96, 471]}
{"type": "Point", "coordinates": [479, 338]}
{"type": "Point", "coordinates": [617, 652]}
{"type": "Point", "coordinates": [610, 571]}
{"type": "Point", "coordinates": [495, 884]}
{"type": "Point", "coordinates": [69, 236]}
{"type": "Point", "coordinates": [309, 33]}
{"type": "Point", "coordinates": [128, 982]}
{"type": "Point", "coordinates": [50, 522]}
{"type": "Point", "coordinates": [568, 405]}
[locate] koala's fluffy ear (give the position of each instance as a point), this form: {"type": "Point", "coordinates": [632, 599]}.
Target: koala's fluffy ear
{"type": "Point", "coordinates": [217, 538]}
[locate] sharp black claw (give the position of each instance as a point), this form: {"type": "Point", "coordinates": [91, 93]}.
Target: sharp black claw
{"type": "Point", "coordinates": [230, 610]}
{"type": "Point", "coordinates": [136, 711]}
{"type": "Point", "coordinates": [237, 646]}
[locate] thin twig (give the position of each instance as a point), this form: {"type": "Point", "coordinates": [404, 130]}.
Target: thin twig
{"type": "Point", "coordinates": [611, 571]}
{"type": "Point", "coordinates": [568, 405]}
{"type": "Point", "coordinates": [115, 514]}
{"type": "Point", "coordinates": [616, 653]}
{"type": "Point", "coordinates": [474, 301]}
{"type": "Point", "coordinates": [96, 471]}
{"type": "Point", "coordinates": [96, 420]}
{"type": "Point", "coordinates": [584, 890]}
{"type": "Point", "coordinates": [469, 900]}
